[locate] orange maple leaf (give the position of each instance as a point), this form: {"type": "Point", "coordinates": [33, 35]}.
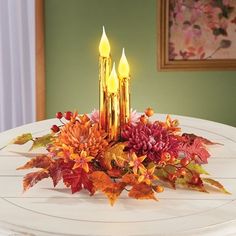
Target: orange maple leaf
{"type": "Point", "coordinates": [115, 172]}
{"type": "Point", "coordinates": [130, 179]}
{"type": "Point", "coordinates": [142, 191]}
{"type": "Point", "coordinates": [37, 162]}
{"type": "Point", "coordinates": [33, 178]}
{"type": "Point", "coordinates": [103, 182]}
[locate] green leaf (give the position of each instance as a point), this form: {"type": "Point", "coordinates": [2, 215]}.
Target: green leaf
{"type": "Point", "coordinates": [41, 141]}
{"type": "Point", "coordinates": [161, 173]}
{"type": "Point", "coordinates": [197, 168]}
{"type": "Point", "coordinates": [22, 139]}
{"type": "Point", "coordinates": [215, 184]}
{"type": "Point", "coordinates": [170, 169]}
{"type": "Point", "coordinates": [181, 181]}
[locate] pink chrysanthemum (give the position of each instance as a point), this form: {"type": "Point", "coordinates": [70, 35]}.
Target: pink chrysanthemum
{"type": "Point", "coordinates": [134, 116]}
{"type": "Point", "coordinates": [95, 116]}
{"type": "Point", "coordinates": [150, 139]}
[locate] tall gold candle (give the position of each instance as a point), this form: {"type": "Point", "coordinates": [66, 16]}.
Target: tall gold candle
{"type": "Point", "coordinates": [104, 72]}
{"type": "Point", "coordinates": [124, 78]}
{"type": "Point", "coordinates": [113, 107]}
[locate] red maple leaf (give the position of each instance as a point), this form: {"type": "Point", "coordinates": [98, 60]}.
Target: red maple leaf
{"type": "Point", "coordinates": [191, 137]}
{"type": "Point", "coordinates": [56, 170]}
{"type": "Point", "coordinates": [77, 179]}
{"type": "Point", "coordinates": [196, 151]}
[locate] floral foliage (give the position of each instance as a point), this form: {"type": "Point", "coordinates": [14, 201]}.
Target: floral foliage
{"type": "Point", "coordinates": [147, 155]}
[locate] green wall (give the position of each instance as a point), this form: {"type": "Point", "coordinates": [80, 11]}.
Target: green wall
{"type": "Point", "coordinates": [73, 31]}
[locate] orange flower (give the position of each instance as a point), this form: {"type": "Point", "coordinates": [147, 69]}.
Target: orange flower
{"type": "Point", "coordinates": [172, 125]}
{"type": "Point", "coordinates": [81, 135]}
{"type": "Point", "coordinates": [82, 161]}
{"type": "Point", "coordinates": [147, 175]}
{"type": "Point", "coordinates": [136, 162]}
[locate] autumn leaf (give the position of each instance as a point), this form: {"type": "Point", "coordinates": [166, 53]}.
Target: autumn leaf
{"type": "Point", "coordinates": [37, 162]}
{"type": "Point", "coordinates": [115, 153]}
{"type": "Point", "coordinates": [130, 179]}
{"type": "Point", "coordinates": [161, 173]}
{"type": "Point", "coordinates": [115, 172]}
{"type": "Point", "coordinates": [163, 176]}
{"type": "Point", "coordinates": [142, 191]}
{"type": "Point", "coordinates": [196, 151]}
{"type": "Point", "coordinates": [100, 179]}
{"type": "Point", "coordinates": [113, 191]}
{"type": "Point", "coordinates": [22, 139]}
{"type": "Point", "coordinates": [41, 141]}
{"type": "Point", "coordinates": [158, 188]}
{"type": "Point", "coordinates": [199, 187]}
{"type": "Point", "coordinates": [192, 137]}
{"type": "Point", "coordinates": [77, 179]}
{"type": "Point", "coordinates": [57, 169]}
{"type": "Point", "coordinates": [196, 168]}
{"type": "Point", "coordinates": [215, 184]}
{"type": "Point", "coordinates": [33, 178]}
{"type": "Point", "coordinates": [103, 182]}
{"type": "Point", "coordinates": [185, 183]}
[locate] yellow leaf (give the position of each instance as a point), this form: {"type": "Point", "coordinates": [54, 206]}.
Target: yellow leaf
{"type": "Point", "coordinates": [41, 141]}
{"type": "Point", "coordinates": [22, 139]}
{"type": "Point", "coordinates": [115, 153]}
{"type": "Point", "coordinates": [215, 184]}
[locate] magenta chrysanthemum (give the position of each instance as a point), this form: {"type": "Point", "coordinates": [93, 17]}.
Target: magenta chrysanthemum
{"type": "Point", "coordinates": [151, 139]}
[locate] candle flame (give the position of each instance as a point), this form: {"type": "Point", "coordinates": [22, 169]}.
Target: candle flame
{"type": "Point", "coordinates": [123, 67]}
{"type": "Point", "coordinates": [113, 82]}
{"type": "Point", "coordinates": [104, 46]}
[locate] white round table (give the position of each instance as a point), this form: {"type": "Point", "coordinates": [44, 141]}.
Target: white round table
{"type": "Point", "coordinates": [43, 210]}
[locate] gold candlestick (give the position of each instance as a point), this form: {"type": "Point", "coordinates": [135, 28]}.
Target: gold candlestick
{"type": "Point", "coordinates": [113, 107]}
{"type": "Point", "coordinates": [104, 72]}
{"type": "Point", "coordinates": [124, 78]}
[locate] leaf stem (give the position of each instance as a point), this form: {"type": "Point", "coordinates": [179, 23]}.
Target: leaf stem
{"type": "Point", "coordinates": [214, 52]}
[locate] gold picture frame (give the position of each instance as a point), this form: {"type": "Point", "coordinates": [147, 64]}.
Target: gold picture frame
{"type": "Point", "coordinates": [165, 64]}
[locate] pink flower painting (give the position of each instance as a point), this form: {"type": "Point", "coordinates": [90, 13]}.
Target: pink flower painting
{"type": "Point", "coordinates": [202, 29]}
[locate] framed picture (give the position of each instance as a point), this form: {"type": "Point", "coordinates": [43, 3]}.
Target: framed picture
{"type": "Point", "coordinates": [196, 35]}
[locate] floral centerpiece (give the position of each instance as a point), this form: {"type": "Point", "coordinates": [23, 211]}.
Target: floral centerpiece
{"type": "Point", "coordinates": [115, 149]}
{"type": "Point", "coordinates": [148, 155]}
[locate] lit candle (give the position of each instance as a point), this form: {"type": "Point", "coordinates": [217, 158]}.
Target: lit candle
{"type": "Point", "coordinates": [123, 70]}
{"type": "Point", "coordinates": [104, 72]}
{"type": "Point", "coordinates": [113, 108]}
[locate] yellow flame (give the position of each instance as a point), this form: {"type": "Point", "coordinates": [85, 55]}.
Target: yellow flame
{"type": "Point", "coordinates": [113, 82]}
{"type": "Point", "coordinates": [123, 67]}
{"type": "Point", "coordinates": [104, 46]}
